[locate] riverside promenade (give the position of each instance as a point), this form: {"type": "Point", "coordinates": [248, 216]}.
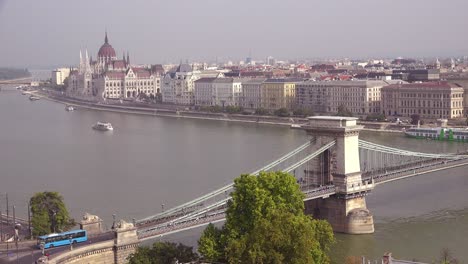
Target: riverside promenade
{"type": "Point", "coordinates": [178, 111]}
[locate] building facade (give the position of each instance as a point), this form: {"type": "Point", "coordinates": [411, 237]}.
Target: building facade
{"type": "Point", "coordinates": [59, 75]}
{"type": "Point", "coordinates": [431, 100]}
{"type": "Point", "coordinates": [360, 97]}
{"type": "Point", "coordinates": [178, 85]}
{"type": "Point", "coordinates": [218, 91]}
{"type": "Point", "coordinates": [111, 78]}
{"type": "Point", "coordinates": [251, 93]}
{"type": "Point", "coordinates": [278, 93]}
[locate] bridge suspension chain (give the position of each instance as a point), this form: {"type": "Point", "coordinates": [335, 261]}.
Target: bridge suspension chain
{"type": "Point", "coordinates": [380, 148]}
{"type": "Point", "coordinates": [227, 187]}
{"type": "Point", "coordinates": [293, 154]}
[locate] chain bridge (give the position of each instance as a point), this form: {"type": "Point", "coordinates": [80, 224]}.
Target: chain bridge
{"type": "Point", "coordinates": [335, 171]}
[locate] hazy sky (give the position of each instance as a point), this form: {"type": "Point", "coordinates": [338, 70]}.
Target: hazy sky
{"type": "Point", "coordinates": [51, 32]}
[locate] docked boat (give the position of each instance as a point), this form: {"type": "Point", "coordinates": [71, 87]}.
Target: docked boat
{"type": "Point", "coordinates": [296, 126]}
{"type": "Point", "coordinates": [34, 98]}
{"type": "Point", "coordinates": [103, 126]}
{"type": "Point", "coordinates": [69, 108]}
{"type": "Point", "coordinates": [439, 133]}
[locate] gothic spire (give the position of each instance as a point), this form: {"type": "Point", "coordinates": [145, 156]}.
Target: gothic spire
{"type": "Point", "coordinates": [106, 40]}
{"type": "Point", "coordinates": [80, 69]}
{"type": "Point", "coordinates": [128, 57]}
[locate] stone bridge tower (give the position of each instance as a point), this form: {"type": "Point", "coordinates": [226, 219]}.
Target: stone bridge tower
{"type": "Point", "coordinates": [346, 210]}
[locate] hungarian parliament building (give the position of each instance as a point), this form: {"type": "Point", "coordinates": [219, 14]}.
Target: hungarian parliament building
{"type": "Point", "coordinates": [110, 78]}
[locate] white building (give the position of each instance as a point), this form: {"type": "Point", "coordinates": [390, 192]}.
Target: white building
{"type": "Point", "coordinates": [178, 86]}
{"type": "Point", "coordinates": [218, 91]}
{"type": "Point", "coordinates": [110, 78]}
{"type": "Point", "coordinates": [133, 83]}
{"type": "Point", "coordinates": [59, 75]}
{"type": "Point", "coordinates": [360, 97]}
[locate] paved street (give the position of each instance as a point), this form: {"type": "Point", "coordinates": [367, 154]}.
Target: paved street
{"type": "Point", "coordinates": [31, 254]}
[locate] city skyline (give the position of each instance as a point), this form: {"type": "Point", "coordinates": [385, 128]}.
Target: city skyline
{"type": "Point", "coordinates": [51, 33]}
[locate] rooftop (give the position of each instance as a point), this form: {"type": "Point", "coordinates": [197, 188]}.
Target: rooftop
{"type": "Point", "coordinates": [425, 85]}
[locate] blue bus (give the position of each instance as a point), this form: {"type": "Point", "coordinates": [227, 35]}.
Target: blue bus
{"type": "Point", "coordinates": [62, 239]}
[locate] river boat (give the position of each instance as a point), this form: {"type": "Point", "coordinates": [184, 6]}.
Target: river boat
{"type": "Point", "coordinates": [438, 133]}
{"type": "Point", "coordinates": [34, 98]}
{"type": "Point", "coordinates": [69, 108]}
{"type": "Point", "coordinates": [103, 126]}
{"type": "Point", "coordinates": [296, 126]}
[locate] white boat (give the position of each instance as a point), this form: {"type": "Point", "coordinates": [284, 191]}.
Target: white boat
{"type": "Point", "coordinates": [103, 126]}
{"type": "Point", "coordinates": [296, 126]}
{"type": "Point", "coordinates": [439, 133]}
{"type": "Point", "coordinates": [69, 108]}
{"type": "Point", "coordinates": [34, 98]}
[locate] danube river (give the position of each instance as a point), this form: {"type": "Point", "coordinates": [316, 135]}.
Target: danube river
{"type": "Point", "coordinates": [149, 162]}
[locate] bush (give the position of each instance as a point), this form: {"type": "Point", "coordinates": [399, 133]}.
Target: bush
{"type": "Point", "coordinates": [302, 112]}
{"type": "Point", "coordinates": [233, 109]}
{"type": "Point", "coordinates": [216, 109]}
{"type": "Point", "coordinates": [282, 112]}
{"type": "Point", "coordinates": [343, 111]}
{"type": "Point", "coordinates": [415, 118]}
{"type": "Point", "coordinates": [262, 111]}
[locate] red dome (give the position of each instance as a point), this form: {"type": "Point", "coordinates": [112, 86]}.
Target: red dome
{"type": "Point", "coordinates": [106, 50]}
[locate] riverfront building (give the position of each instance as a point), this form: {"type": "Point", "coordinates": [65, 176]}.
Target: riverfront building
{"type": "Point", "coordinates": [178, 85]}
{"type": "Point", "coordinates": [278, 93]}
{"type": "Point", "coordinates": [430, 100]}
{"type": "Point", "coordinates": [59, 75]}
{"type": "Point", "coordinates": [218, 91]}
{"type": "Point", "coordinates": [111, 78]}
{"type": "Point", "coordinates": [251, 93]}
{"type": "Point", "coordinates": [360, 97]}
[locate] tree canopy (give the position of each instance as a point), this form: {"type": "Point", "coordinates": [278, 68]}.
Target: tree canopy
{"type": "Point", "coordinates": [163, 253]}
{"type": "Point", "coordinates": [265, 223]}
{"type": "Point", "coordinates": [49, 213]}
{"type": "Point", "coordinates": [343, 111]}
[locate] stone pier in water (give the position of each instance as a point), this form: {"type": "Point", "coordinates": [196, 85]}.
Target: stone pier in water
{"type": "Point", "coordinates": [346, 210]}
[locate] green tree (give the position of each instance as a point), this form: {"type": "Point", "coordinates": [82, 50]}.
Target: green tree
{"type": "Point", "coordinates": [415, 118]}
{"type": "Point", "coordinates": [302, 112]}
{"type": "Point", "coordinates": [261, 111]}
{"type": "Point", "coordinates": [446, 257]}
{"type": "Point", "coordinates": [163, 253]}
{"type": "Point", "coordinates": [343, 111]}
{"type": "Point", "coordinates": [210, 244]}
{"type": "Point", "coordinates": [49, 213]}
{"type": "Point", "coordinates": [216, 109]}
{"type": "Point", "coordinates": [233, 109]}
{"type": "Point", "coordinates": [282, 112]}
{"type": "Point", "coordinates": [265, 223]}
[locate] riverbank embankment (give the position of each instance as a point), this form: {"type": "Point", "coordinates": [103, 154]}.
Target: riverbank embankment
{"type": "Point", "coordinates": [158, 110]}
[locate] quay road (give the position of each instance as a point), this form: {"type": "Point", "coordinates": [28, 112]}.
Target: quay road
{"type": "Point", "coordinates": [30, 254]}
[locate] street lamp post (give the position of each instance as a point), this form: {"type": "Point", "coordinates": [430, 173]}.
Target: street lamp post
{"type": "Point", "coordinates": [71, 242]}
{"type": "Point", "coordinates": [29, 220]}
